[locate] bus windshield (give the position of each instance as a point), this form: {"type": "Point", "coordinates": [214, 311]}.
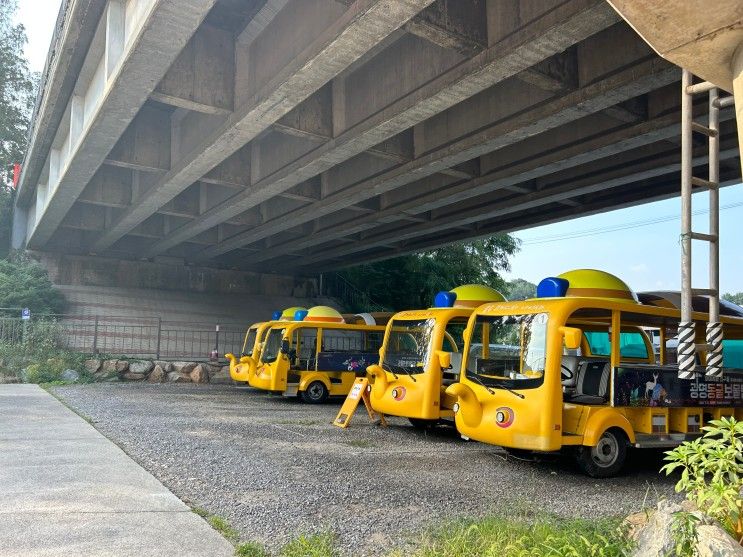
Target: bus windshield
{"type": "Point", "coordinates": [508, 351]}
{"type": "Point", "coordinates": [273, 345]}
{"type": "Point", "coordinates": [408, 346]}
{"type": "Point", "coordinates": [249, 341]}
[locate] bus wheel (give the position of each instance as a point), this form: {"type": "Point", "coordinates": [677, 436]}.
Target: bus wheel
{"type": "Point", "coordinates": [419, 423]}
{"type": "Point", "coordinates": [315, 393]}
{"type": "Point", "coordinates": [606, 458]}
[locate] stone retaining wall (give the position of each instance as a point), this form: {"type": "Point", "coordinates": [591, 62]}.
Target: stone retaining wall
{"type": "Point", "coordinates": [158, 371]}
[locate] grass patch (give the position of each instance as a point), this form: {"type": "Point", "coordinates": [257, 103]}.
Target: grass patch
{"type": "Point", "coordinates": [314, 545]}
{"type": "Point", "coordinates": [524, 536]}
{"type": "Point", "coordinates": [224, 528]}
{"type": "Point", "coordinates": [360, 443]}
{"type": "Point", "coordinates": [251, 549]}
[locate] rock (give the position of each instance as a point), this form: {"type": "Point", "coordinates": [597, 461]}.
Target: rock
{"type": "Point", "coordinates": [157, 375]}
{"type": "Point", "coordinates": [200, 374]}
{"type": "Point", "coordinates": [221, 376]}
{"type": "Point", "coordinates": [141, 366]}
{"type": "Point", "coordinates": [70, 375]}
{"type": "Point", "coordinates": [92, 366]}
{"type": "Point", "coordinates": [713, 541]}
{"type": "Point", "coordinates": [129, 376]}
{"type": "Point", "coordinates": [109, 366]}
{"type": "Point", "coordinates": [656, 536]}
{"type": "Point", "coordinates": [167, 367]}
{"type": "Point", "coordinates": [184, 367]}
{"type": "Point", "coordinates": [121, 366]}
{"type": "Point", "coordinates": [212, 368]}
{"type": "Point", "coordinates": [175, 377]}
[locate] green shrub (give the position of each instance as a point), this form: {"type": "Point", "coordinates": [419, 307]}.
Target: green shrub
{"type": "Point", "coordinates": [712, 472]}
{"type": "Point", "coordinates": [524, 536]}
{"type": "Point", "coordinates": [251, 549]}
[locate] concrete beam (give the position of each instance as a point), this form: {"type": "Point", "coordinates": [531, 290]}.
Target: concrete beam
{"type": "Point", "coordinates": [167, 27]}
{"type": "Point", "coordinates": [553, 32]}
{"type": "Point", "coordinates": [592, 98]}
{"type": "Point", "coordinates": [556, 158]}
{"type": "Point", "coordinates": [360, 28]}
{"type": "Point", "coordinates": [519, 204]}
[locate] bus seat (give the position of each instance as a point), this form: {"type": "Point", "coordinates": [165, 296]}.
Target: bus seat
{"type": "Point", "coordinates": [592, 386]}
{"type": "Point", "coordinates": [450, 376]}
{"type": "Point", "coordinates": [569, 371]}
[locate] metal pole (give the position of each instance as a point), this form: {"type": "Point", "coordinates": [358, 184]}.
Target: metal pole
{"type": "Point", "coordinates": [159, 336]}
{"type": "Point", "coordinates": [95, 336]}
{"type": "Point", "coordinates": [714, 327]}
{"type": "Point", "coordinates": [686, 337]}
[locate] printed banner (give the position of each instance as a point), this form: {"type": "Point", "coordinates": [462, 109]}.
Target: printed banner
{"type": "Point", "coordinates": [656, 386]}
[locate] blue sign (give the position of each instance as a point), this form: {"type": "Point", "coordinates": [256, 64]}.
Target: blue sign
{"type": "Point", "coordinates": [25, 313]}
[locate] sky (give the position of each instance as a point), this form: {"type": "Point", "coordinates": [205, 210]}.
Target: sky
{"type": "Point", "coordinates": [638, 244]}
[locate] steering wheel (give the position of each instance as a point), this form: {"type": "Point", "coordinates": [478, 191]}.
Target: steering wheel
{"type": "Point", "coordinates": [566, 374]}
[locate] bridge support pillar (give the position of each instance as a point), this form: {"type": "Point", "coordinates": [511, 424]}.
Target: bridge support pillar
{"type": "Point", "coordinates": [737, 69]}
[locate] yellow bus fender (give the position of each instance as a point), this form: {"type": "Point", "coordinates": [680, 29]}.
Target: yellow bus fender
{"type": "Point", "coordinates": [311, 377]}
{"type": "Point", "coordinates": [604, 419]}
{"type": "Point", "coordinates": [233, 361]}
{"type": "Point", "coordinates": [470, 409]}
{"type": "Point", "coordinates": [380, 381]}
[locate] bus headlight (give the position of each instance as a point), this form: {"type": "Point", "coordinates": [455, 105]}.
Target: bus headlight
{"type": "Point", "coordinates": [455, 407]}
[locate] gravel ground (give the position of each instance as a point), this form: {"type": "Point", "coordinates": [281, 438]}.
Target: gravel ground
{"type": "Point", "coordinates": [276, 468]}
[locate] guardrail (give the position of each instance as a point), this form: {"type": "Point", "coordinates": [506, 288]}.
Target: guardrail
{"type": "Point", "coordinates": [146, 337]}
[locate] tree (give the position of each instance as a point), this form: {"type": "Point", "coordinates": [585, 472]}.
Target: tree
{"type": "Point", "coordinates": [412, 281]}
{"type": "Point", "coordinates": [735, 298]}
{"type": "Point", "coordinates": [520, 289]}
{"type": "Point", "coordinates": [26, 284]}
{"type": "Point", "coordinates": [17, 94]}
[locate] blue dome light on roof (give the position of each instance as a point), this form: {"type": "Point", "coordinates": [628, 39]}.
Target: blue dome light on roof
{"type": "Point", "coordinates": [552, 287]}
{"type": "Point", "coordinates": [300, 314]}
{"type": "Point", "coordinates": [444, 299]}
{"type": "Point", "coordinates": [276, 315]}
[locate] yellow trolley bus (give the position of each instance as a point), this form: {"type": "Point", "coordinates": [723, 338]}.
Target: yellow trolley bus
{"type": "Point", "coordinates": [584, 375]}
{"type": "Point", "coordinates": [240, 370]}
{"type": "Point", "coordinates": [316, 356]}
{"type": "Point", "coordinates": [422, 355]}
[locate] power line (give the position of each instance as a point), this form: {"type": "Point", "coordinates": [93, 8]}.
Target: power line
{"type": "Point", "coordinates": [615, 228]}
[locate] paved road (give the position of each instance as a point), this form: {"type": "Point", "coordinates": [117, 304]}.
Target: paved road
{"type": "Point", "coordinates": [276, 468]}
{"type": "Point", "coordinates": [65, 490]}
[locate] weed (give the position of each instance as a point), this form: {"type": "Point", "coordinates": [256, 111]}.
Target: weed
{"type": "Point", "coordinates": [251, 549]}
{"type": "Point", "coordinates": [224, 528]}
{"type": "Point", "coordinates": [518, 536]}
{"type": "Point", "coordinates": [203, 513]}
{"type": "Point", "coordinates": [314, 545]}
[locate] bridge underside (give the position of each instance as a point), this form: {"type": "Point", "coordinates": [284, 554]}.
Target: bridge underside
{"type": "Point", "coordinates": [304, 135]}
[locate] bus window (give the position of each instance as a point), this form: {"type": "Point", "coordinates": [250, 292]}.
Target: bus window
{"type": "Point", "coordinates": [374, 340]}
{"type": "Point", "coordinates": [340, 340]}
{"type": "Point", "coordinates": [454, 339]}
{"type": "Point", "coordinates": [732, 354]}
{"type": "Point", "coordinates": [631, 344]}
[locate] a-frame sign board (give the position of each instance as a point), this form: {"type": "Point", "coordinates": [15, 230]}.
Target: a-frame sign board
{"type": "Point", "coordinates": [359, 392]}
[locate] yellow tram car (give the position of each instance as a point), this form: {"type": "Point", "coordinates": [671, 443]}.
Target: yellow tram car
{"type": "Point", "coordinates": [422, 354]}
{"type": "Point", "coordinates": [584, 375]}
{"type": "Point", "coordinates": [317, 355]}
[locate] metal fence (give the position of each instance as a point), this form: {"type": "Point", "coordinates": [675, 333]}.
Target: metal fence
{"type": "Point", "coordinates": [146, 337]}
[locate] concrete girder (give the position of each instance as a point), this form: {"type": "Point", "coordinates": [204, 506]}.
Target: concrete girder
{"type": "Point", "coordinates": [165, 28]}
{"type": "Point", "coordinates": [556, 159]}
{"type": "Point", "coordinates": [556, 30]}
{"type": "Point", "coordinates": [73, 36]}
{"type": "Point", "coordinates": [518, 205]}
{"type": "Point", "coordinates": [360, 28]}
{"type": "Point", "coordinates": [595, 97]}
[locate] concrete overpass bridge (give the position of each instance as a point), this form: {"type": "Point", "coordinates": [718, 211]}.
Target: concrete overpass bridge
{"type": "Point", "coordinates": [304, 135]}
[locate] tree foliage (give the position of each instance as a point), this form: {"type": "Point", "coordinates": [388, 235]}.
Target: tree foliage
{"type": "Point", "coordinates": [413, 280]}
{"type": "Point", "coordinates": [26, 284]}
{"type": "Point", "coordinates": [17, 90]}
{"type": "Point", "coordinates": [520, 289]}
{"type": "Point", "coordinates": [736, 298]}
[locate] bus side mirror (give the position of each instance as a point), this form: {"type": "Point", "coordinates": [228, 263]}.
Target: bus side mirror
{"type": "Point", "coordinates": [284, 346]}
{"type": "Point", "coordinates": [572, 337]}
{"type": "Point", "coordinates": [444, 359]}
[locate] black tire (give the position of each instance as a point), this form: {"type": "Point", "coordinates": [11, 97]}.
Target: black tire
{"type": "Point", "coordinates": [315, 393]}
{"type": "Point", "coordinates": [607, 458]}
{"type": "Point", "coordinates": [419, 423]}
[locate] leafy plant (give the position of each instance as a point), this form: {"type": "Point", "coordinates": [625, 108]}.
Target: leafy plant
{"type": "Point", "coordinates": [315, 545]}
{"type": "Point", "coordinates": [251, 549]}
{"type": "Point", "coordinates": [25, 284]}
{"type": "Point", "coordinates": [712, 472]}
